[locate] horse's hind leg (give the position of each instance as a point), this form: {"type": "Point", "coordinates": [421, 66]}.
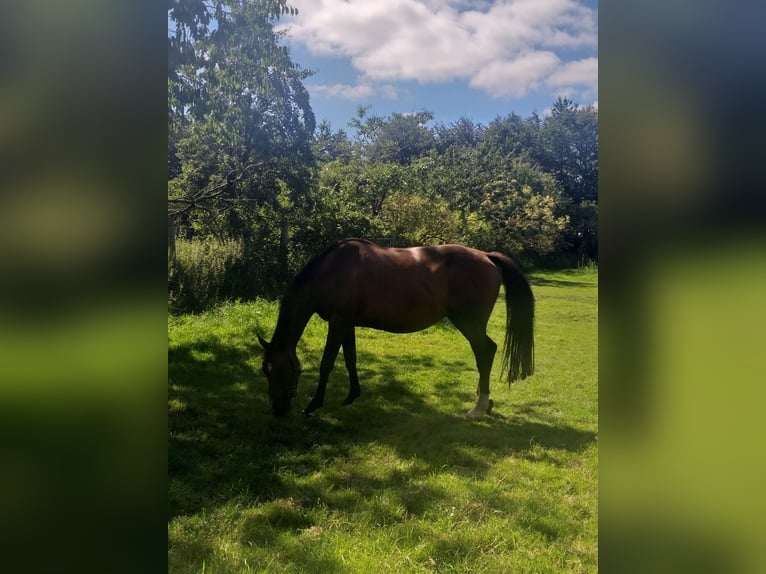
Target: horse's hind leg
{"type": "Point", "coordinates": [349, 355]}
{"type": "Point", "coordinates": [484, 350]}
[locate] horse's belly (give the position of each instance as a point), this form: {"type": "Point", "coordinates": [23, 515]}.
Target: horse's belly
{"type": "Point", "coordinates": [402, 314]}
{"type": "Point", "coordinates": [396, 326]}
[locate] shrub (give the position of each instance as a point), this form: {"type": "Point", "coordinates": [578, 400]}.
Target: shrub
{"type": "Point", "coordinates": [204, 273]}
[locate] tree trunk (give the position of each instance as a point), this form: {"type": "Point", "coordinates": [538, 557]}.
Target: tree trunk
{"type": "Point", "coordinates": [284, 237]}
{"type": "Point", "coordinates": [171, 241]}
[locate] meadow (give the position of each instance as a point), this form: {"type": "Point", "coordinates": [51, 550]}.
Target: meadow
{"type": "Point", "coordinates": [397, 482]}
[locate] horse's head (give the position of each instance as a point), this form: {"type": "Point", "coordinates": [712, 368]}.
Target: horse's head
{"type": "Point", "coordinates": [282, 369]}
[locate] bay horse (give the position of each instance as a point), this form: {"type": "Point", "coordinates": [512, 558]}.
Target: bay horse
{"type": "Point", "coordinates": [357, 283]}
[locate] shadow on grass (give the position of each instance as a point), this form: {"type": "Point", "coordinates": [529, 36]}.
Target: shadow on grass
{"type": "Point", "coordinates": [224, 444]}
{"type": "Point", "coordinates": [547, 282]}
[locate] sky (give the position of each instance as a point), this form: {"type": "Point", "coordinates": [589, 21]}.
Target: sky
{"type": "Point", "coordinates": [478, 59]}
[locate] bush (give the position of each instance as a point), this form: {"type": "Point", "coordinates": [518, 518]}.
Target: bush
{"type": "Point", "coordinates": [205, 272]}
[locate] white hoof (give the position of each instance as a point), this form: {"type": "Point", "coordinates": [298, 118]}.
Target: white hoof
{"type": "Point", "coordinates": [473, 414]}
{"type": "Point", "coordinates": [482, 406]}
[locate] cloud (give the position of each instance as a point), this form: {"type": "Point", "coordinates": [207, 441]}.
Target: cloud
{"type": "Point", "coordinates": [505, 47]}
{"type": "Point", "coordinates": [518, 76]}
{"type": "Point", "coordinates": [579, 72]}
{"type": "Point", "coordinates": [353, 92]}
{"type": "Point", "coordinates": [343, 91]}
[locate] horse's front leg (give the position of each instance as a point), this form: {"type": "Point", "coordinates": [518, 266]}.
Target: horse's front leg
{"type": "Point", "coordinates": [349, 355]}
{"type": "Point", "coordinates": [335, 335]}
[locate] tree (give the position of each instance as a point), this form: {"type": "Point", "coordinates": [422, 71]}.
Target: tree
{"type": "Point", "coordinates": [400, 138]}
{"type": "Point", "coordinates": [329, 146]}
{"type": "Point", "coordinates": [194, 20]}
{"type": "Point", "coordinates": [419, 211]}
{"type": "Point", "coordinates": [570, 148]}
{"type": "Point", "coordinates": [363, 185]}
{"type": "Point", "coordinates": [415, 219]}
{"type": "Point", "coordinates": [523, 222]}
{"type": "Point", "coordinates": [513, 136]}
{"type": "Point", "coordinates": [240, 122]}
{"type": "Point", "coordinates": [460, 135]}
{"type": "Point", "coordinates": [570, 152]}
{"type": "Point", "coordinates": [524, 208]}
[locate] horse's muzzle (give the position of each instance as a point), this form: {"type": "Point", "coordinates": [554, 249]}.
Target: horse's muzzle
{"type": "Point", "coordinates": [280, 406]}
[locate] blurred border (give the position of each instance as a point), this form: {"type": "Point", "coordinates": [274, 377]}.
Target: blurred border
{"type": "Point", "coordinates": [83, 291]}
{"type": "Point", "coordinates": [82, 286]}
{"type": "Point", "coordinates": [683, 276]}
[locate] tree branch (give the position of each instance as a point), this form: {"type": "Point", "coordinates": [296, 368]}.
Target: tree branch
{"type": "Point", "coordinates": [203, 198]}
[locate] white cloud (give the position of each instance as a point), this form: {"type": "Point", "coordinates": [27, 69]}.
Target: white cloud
{"type": "Point", "coordinates": [505, 47]}
{"type": "Point", "coordinates": [354, 92]}
{"type": "Point", "coordinates": [343, 91]}
{"type": "Point", "coordinates": [579, 72]}
{"type": "Point", "coordinates": [516, 77]}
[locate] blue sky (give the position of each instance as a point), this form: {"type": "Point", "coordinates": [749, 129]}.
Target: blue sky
{"type": "Point", "coordinates": [475, 58]}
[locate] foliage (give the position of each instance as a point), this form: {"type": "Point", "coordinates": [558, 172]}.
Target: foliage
{"type": "Point", "coordinates": [513, 136]}
{"type": "Point", "coordinates": [399, 139]}
{"type": "Point", "coordinates": [246, 160]}
{"type": "Point", "coordinates": [399, 482]}
{"type": "Point", "coordinates": [525, 210]}
{"type": "Point", "coordinates": [570, 148]}
{"type": "Point", "coordinates": [522, 221]}
{"type": "Point", "coordinates": [414, 219]}
{"type": "Point", "coordinates": [204, 273]}
{"type": "Point", "coordinates": [239, 116]}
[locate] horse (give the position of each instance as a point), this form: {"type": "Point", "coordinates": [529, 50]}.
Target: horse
{"type": "Point", "coordinates": [358, 283]}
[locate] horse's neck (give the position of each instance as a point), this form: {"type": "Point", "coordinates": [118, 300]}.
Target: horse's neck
{"type": "Point", "coordinates": [294, 314]}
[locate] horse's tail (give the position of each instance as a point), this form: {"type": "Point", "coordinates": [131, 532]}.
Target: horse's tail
{"type": "Point", "coordinates": [519, 344]}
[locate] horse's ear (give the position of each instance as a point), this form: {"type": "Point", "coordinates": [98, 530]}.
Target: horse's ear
{"type": "Point", "coordinates": [264, 343]}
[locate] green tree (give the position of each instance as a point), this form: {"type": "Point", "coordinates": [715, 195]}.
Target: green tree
{"type": "Point", "coordinates": [399, 138]}
{"type": "Point", "coordinates": [524, 208]}
{"type": "Point", "coordinates": [415, 219]}
{"type": "Point", "coordinates": [364, 184]}
{"type": "Point", "coordinates": [523, 222]}
{"type": "Point", "coordinates": [328, 145]}
{"type": "Point", "coordinates": [419, 211]}
{"type": "Point", "coordinates": [513, 136]}
{"type": "Point", "coordinates": [570, 148]}
{"type": "Point", "coordinates": [459, 135]}
{"type": "Point", "coordinates": [240, 122]}
{"type": "Point", "coordinates": [569, 152]}
{"type": "Point", "coordinates": [194, 20]}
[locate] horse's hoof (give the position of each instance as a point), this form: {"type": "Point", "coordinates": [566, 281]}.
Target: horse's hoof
{"type": "Point", "coordinates": [472, 415]}
{"type": "Point", "coordinates": [491, 404]}
{"type": "Point", "coordinates": [349, 400]}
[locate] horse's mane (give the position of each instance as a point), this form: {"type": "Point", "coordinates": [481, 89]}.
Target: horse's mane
{"type": "Point", "coordinates": [302, 279]}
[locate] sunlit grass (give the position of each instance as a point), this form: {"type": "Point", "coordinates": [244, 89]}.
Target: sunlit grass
{"type": "Point", "coordinates": [398, 482]}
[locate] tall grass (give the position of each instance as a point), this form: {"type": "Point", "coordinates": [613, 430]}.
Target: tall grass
{"type": "Point", "coordinates": [203, 272]}
{"type": "Point", "coordinates": [398, 482]}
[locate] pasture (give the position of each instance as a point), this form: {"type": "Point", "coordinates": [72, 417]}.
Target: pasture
{"type": "Point", "coordinates": [397, 482]}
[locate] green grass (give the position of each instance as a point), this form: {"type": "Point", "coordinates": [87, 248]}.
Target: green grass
{"type": "Point", "coordinates": [398, 482]}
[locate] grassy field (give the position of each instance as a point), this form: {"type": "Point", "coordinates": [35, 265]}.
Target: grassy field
{"type": "Point", "coordinates": [398, 482]}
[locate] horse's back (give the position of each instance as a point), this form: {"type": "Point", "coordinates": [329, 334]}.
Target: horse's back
{"type": "Point", "coordinates": [402, 289]}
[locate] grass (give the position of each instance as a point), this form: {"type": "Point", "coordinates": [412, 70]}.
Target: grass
{"type": "Point", "coordinates": [398, 482]}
